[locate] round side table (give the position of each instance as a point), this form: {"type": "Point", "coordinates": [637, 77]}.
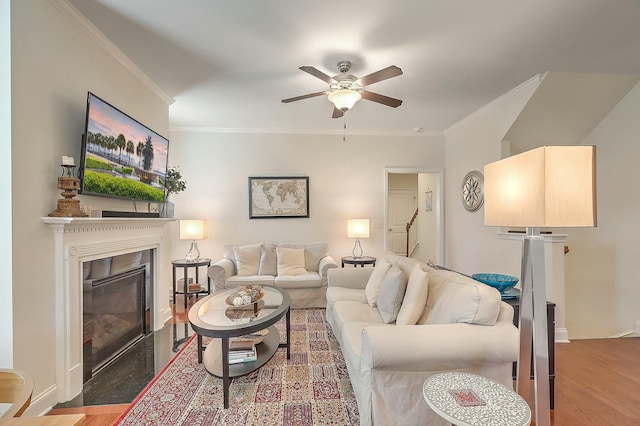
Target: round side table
{"type": "Point", "coordinates": [355, 261]}
{"type": "Point", "coordinates": [185, 265]}
{"type": "Point", "coordinates": [466, 399]}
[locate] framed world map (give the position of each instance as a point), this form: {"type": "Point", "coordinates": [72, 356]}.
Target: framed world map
{"type": "Point", "coordinates": [278, 197]}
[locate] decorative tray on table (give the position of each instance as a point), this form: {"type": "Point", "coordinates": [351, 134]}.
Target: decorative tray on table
{"type": "Point", "coordinates": [245, 296]}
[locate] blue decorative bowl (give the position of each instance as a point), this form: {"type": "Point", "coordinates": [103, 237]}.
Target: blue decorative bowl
{"type": "Point", "coordinates": [498, 281]}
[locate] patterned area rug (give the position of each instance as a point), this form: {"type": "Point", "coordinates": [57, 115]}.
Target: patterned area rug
{"type": "Point", "coordinates": [311, 388]}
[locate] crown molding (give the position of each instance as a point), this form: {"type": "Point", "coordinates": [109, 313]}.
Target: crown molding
{"type": "Point", "coordinates": [285, 131]}
{"type": "Point", "coordinates": [81, 21]}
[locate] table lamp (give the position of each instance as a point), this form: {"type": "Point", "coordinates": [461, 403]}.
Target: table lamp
{"type": "Point", "coordinates": [192, 230]}
{"type": "Point", "coordinates": [357, 228]}
{"type": "Point", "coordinates": [547, 187]}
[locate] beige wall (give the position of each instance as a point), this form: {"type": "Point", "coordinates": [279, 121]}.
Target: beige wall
{"type": "Point", "coordinates": [470, 246]}
{"type": "Point", "coordinates": [53, 65]}
{"type": "Point", "coordinates": [602, 291]}
{"type": "Point", "coordinates": [346, 180]}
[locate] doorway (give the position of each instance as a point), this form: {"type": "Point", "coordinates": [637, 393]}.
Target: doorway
{"type": "Point", "coordinates": [414, 193]}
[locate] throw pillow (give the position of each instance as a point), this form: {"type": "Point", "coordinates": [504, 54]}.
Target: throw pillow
{"type": "Point", "coordinates": [290, 261]}
{"type": "Point", "coordinates": [375, 281]}
{"type": "Point", "coordinates": [391, 294]}
{"type": "Point", "coordinates": [415, 297]}
{"type": "Point", "coordinates": [247, 259]}
{"type": "Point", "coordinates": [268, 262]}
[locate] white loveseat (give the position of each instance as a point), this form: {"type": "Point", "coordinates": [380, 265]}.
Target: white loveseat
{"type": "Point", "coordinates": [299, 268]}
{"type": "Point", "coordinates": [423, 321]}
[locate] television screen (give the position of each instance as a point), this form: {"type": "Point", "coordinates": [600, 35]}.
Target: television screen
{"type": "Point", "coordinates": [121, 157]}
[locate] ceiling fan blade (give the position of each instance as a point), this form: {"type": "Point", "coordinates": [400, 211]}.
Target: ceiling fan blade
{"type": "Point", "coordinates": [299, 98]}
{"type": "Point", "coordinates": [318, 74]}
{"type": "Point", "coordinates": [381, 99]}
{"type": "Point", "coordinates": [383, 74]}
{"type": "Point", "coordinates": [337, 113]}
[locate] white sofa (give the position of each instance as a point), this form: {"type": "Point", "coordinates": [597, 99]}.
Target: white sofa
{"type": "Point", "coordinates": [441, 321]}
{"type": "Point", "coordinates": [299, 268]}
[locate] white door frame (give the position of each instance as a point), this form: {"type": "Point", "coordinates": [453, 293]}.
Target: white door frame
{"type": "Point", "coordinates": [438, 205]}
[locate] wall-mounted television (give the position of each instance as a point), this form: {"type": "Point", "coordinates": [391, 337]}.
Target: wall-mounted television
{"type": "Point", "coordinates": [121, 157]}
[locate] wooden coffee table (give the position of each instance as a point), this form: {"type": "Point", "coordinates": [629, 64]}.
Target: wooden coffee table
{"type": "Point", "coordinates": [213, 317]}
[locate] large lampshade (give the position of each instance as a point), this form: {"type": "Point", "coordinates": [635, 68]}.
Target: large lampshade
{"type": "Point", "coordinates": [358, 228]}
{"type": "Point", "coordinates": [344, 99]}
{"type": "Point", "coordinates": [192, 230]}
{"type": "Point", "coordinates": [551, 186]}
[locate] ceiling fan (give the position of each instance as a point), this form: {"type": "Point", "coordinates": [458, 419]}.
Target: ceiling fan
{"type": "Point", "coordinates": [345, 89]}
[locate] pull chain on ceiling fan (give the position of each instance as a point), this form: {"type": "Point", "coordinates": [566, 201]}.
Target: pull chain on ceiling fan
{"type": "Point", "coordinates": [345, 89]}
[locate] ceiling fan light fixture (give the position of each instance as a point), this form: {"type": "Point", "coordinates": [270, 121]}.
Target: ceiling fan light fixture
{"type": "Point", "coordinates": [344, 99]}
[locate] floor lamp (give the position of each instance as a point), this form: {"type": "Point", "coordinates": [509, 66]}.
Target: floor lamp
{"type": "Point", "coordinates": [547, 187]}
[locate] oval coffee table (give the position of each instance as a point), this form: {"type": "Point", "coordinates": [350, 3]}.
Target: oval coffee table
{"type": "Point", "coordinates": [467, 399]}
{"type": "Point", "coordinates": [213, 317]}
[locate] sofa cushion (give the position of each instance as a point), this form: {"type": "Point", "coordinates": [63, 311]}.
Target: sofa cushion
{"type": "Point", "coordinates": [455, 298]}
{"type": "Point", "coordinates": [268, 260]}
{"type": "Point", "coordinates": [415, 298]}
{"type": "Point", "coordinates": [346, 312]}
{"type": "Point", "coordinates": [290, 261]}
{"type": "Point", "coordinates": [308, 280]}
{"type": "Point", "coordinates": [336, 294]}
{"type": "Point", "coordinates": [236, 281]}
{"type": "Point", "coordinates": [391, 294]}
{"type": "Point", "coordinates": [247, 259]}
{"type": "Point", "coordinates": [313, 253]}
{"type": "Point", "coordinates": [375, 281]}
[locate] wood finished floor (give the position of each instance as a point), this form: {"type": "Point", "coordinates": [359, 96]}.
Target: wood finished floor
{"type": "Point", "coordinates": [597, 384]}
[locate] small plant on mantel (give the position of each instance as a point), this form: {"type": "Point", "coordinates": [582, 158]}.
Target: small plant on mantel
{"type": "Point", "coordinates": [174, 182]}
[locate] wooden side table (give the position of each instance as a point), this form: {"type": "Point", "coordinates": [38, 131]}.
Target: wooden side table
{"type": "Point", "coordinates": [185, 265]}
{"type": "Point", "coordinates": [355, 261]}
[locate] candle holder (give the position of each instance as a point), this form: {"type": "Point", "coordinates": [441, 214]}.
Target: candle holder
{"type": "Point", "coordinates": [67, 206]}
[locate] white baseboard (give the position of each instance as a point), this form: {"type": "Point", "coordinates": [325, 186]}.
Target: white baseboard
{"type": "Point", "coordinates": [623, 334]}
{"type": "Point", "coordinates": [42, 403]}
{"type": "Point", "coordinates": [165, 315]}
{"type": "Point", "coordinates": [562, 335]}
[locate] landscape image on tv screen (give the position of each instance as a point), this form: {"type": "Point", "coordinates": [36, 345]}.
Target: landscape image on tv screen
{"type": "Point", "coordinates": [121, 157]}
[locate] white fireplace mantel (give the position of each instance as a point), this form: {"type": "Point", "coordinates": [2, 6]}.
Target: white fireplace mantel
{"type": "Point", "coordinates": [79, 240]}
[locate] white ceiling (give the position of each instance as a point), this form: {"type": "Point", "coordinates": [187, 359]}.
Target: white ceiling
{"type": "Point", "coordinates": [228, 63]}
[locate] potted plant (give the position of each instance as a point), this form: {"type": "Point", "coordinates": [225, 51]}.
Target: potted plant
{"type": "Point", "coordinates": [173, 184]}
{"type": "Point", "coordinates": [173, 181]}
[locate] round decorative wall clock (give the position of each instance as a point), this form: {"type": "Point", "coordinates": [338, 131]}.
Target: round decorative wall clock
{"type": "Point", "coordinates": [473, 191]}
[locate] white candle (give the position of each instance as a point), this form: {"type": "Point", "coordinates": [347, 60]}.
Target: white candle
{"type": "Point", "coordinates": [67, 161]}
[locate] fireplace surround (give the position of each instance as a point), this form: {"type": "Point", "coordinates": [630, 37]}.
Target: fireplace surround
{"type": "Point", "coordinates": [80, 240]}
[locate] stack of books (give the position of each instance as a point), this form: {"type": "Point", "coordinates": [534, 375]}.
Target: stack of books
{"type": "Point", "coordinates": [241, 350]}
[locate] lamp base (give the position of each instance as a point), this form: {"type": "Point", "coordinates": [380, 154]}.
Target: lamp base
{"type": "Point", "coordinates": [533, 327]}
{"type": "Point", "coordinates": [357, 250]}
{"type": "Point", "coordinates": [194, 254]}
